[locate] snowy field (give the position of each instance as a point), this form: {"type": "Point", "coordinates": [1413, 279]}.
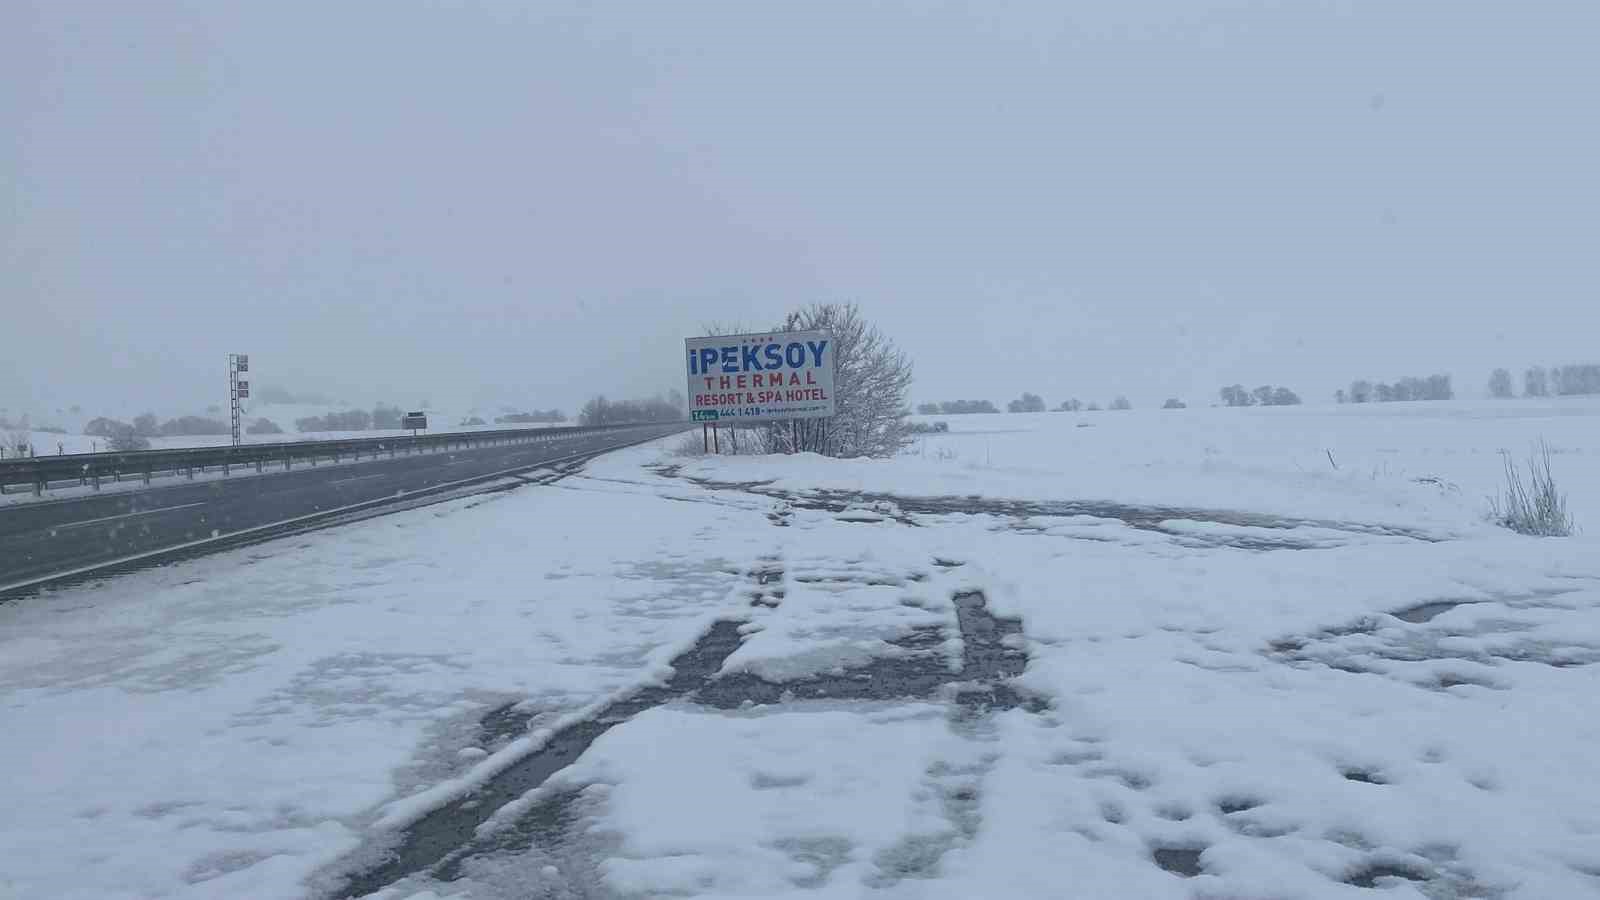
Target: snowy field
{"type": "Point", "coordinates": [1165, 654]}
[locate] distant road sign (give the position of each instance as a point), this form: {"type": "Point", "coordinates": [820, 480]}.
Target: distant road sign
{"type": "Point", "coordinates": [244, 362]}
{"type": "Point", "coordinates": [749, 378]}
{"type": "Point", "coordinates": [244, 390]}
{"type": "Point", "coordinates": [414, 421]}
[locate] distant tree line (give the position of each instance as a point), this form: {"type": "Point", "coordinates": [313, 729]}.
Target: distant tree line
{"type": "Point", "coordinates": [148, 426]}
{"type": "Point", "coordinates": [957, 408]}
{"type": "Point", "coordinates": [1537, 381]}
{"type": "Point", "coordinates": [537, 416]}
{"type": "Point", "coordinates": [1433, 387]}
{"type": "Point", "coordinates": [1027, 403]}
{"type": "Point", "coordinates": [600, 411]}
{"type": "Point", "coordinates": [382, 417]}
{"type": "Point", "coordinates": [184, 425]}
{"type": "Point", "coordinates": [1265, 395]}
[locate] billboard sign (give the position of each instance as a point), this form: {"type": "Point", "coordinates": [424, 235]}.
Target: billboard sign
{"type": "Point", "coordinates": [414, 421]}
{"type": "Point", "coordinates": [244, 390]}
{"type": "Point", "coordinates": [745, 379]}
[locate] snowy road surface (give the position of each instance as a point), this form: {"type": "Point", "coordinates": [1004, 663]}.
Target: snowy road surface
{"type": "Point", "coordinates": [1003, 666]}
{"type": "Point", "coordinates": [47, 537]}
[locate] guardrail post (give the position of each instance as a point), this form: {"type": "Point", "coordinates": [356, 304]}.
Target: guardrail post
{"type": "Point", "coordinates": [259, 462]}
{"type": "Point", "coordinates": [38, 485]}
{"type": "Point", "coordinates": [286, 457]}
{"type": "Point", "coordinates": [147, 469]}
{"type": "Point", "coordinates": [96, 479]}
{"type": "Point", "coordinates": [358, 453]}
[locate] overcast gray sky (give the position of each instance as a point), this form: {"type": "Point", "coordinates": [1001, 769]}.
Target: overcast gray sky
{"type": "Point", "coordinates": [528, 203]}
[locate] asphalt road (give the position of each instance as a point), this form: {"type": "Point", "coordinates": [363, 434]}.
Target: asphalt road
{"type": "Point", "coordinates": [50, 537]}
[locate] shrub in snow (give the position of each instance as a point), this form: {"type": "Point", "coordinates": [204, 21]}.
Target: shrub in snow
{"type": "Point", "coordinates": [126, 439]}
{"type": "Point", "coordinates": [1533, 505]}
{"type": "Point", "coordinates": [17, 441]}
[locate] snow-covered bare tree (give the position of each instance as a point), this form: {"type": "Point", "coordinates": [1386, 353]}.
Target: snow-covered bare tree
{"type": "Point", "coordinates": [870, 383]}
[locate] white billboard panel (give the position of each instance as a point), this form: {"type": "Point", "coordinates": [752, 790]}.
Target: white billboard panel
{"type": "Point", "coordinates": [743, 379]}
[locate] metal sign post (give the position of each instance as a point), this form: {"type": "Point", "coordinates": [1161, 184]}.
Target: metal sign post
{"type": "Point", "coordinates": [238, 363]}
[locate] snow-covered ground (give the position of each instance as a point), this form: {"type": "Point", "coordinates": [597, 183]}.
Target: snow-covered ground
{"type": "Point", "coordinates": [1244, 673]}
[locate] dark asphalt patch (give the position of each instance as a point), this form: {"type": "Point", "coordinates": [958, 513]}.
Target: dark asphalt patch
{"type": "Point", "coordinates": [1182, 861]}
{"type": "Point", "coordinates": [1375, 875]}
{"type": "Point", "coordinates": [440, 842]}
{"type": "Point", "coordinates": [448, 834]}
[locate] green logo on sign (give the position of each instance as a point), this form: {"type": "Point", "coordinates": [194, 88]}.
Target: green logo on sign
{"type": "Point", "coordinates": [705, 415]}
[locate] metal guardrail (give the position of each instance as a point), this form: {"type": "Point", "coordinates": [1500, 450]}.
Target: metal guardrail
{"type": "Point", "coordinates": [41, 473]}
